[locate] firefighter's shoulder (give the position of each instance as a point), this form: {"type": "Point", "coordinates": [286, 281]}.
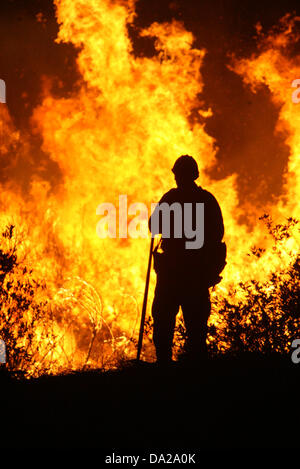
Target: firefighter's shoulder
{"type": "Point", "coordinates": [209, 197]}
{"type": "Point", "coordinates": [169, 196]}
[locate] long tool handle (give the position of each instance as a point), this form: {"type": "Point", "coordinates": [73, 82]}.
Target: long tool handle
{"type": "Point", "coordinates": [140, 342]}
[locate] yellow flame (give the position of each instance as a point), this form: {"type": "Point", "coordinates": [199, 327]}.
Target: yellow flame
{"type": "Point", "coordinates": [119, 133]}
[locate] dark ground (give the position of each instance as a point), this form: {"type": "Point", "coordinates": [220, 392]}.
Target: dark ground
{"type": "Point", "coordinates": [227, 403]}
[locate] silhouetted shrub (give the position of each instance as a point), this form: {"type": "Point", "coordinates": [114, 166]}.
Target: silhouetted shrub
{"type": "Point", "coordinates": [267, 317]}
{"type": "Point", "coordinates": [46, 333]}
{"type": "Point", "coordinates": [21, 313]}
{"type": "Point", "coordinates": [261, 317]}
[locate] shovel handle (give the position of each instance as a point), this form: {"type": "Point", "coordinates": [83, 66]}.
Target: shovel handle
{"type": "Point", "coordinates": [140, 342]}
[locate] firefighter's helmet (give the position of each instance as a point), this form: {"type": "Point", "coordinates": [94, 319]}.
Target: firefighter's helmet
{"type": "Point", "coordinates": [186, 166]}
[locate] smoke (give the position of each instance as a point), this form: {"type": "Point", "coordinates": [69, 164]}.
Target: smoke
{"type": "Point", "coordinates": [242, 123]}
{"type": "Point", "coordinates": [30, 62]}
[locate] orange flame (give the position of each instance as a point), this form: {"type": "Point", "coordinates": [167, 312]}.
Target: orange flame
{"type": "Point", "coordinates": [120, 133]}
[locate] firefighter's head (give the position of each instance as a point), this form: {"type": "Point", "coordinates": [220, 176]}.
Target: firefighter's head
{"type": "Point", "coordinates": [185, 170]}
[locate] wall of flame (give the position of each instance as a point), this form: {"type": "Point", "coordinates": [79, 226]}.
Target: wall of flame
{"type": "Point", "coordinates": [119, 133]}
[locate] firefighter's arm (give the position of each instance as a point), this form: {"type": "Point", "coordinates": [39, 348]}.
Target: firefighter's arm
{"type": "Point", "coordinates": [219, 223]}
{"type": "Point", "coordinates": [155, 220]}
{"type": "Point", "coordinates": [217, 219]}
{"type": "Point", "coordinates": [150, 223]}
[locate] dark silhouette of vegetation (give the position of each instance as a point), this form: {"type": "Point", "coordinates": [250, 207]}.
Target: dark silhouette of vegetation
{"type": "Point", "coordinates": [266, 318]}
{"type": "Point", "coordinates": [36, 326]}
{"type": "Point", "coordinates": [21, 312]}
{"type": "Point", "coordinates": [259, 317]}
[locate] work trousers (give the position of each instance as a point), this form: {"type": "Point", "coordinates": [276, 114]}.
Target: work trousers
{"type": "Point", "coordinates": [175, 288]}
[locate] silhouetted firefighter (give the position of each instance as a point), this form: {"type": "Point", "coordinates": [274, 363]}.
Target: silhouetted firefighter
{"type": "Point", "coordinates": [187, 264]}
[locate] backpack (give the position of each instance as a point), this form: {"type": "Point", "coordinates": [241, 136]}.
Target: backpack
{"type": "Point", "coordinates": [216, 260]}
